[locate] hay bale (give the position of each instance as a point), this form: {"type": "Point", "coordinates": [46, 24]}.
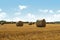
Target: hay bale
{"type": "Point", "coordinates": [2, 23]}
{"type": "Point", "coordinates": [41, 23]}
{"type": "Point", "coordinates": [33, 22]}
{"type": "Point", "coordinates": [30, 23]}
{"type": "Point", "coordinates": [19, 23]}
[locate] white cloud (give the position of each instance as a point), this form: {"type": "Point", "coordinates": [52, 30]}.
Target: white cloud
{"type": "Point", "coordinates": [58, 10]}
{"type": "Point", "coordinates": [8, 19]}
{"type": "Point", "coordinates": [51, 11]}
{"type": "Point", "coordinates": [17, 19]}
{"type": "Point", "coordinates": [2, 15]}
{"type": "Point", "coordinates": [49, 18]}
{"type": "Point", "coordinates": [44, 11]}
{"type": "Point", "coordinates": [22, 7]}
{"type": "Point", "coordinates": [30, 17]}
{"type": "Point", "coordinates": [0, 10]}
{"type": "Point", "coordinates": [14, 19]}
{"type": "Point", "coordinates": [55, 17]}
{"type": "Point", "coordinates": [17, 13]}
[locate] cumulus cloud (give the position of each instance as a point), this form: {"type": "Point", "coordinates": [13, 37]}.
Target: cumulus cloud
{"type": "Point", "coordinates": [2, 14]}
{"type": "Point", "coordinates": [46, 11]}
{"type": "Point", "coordinates": [49, 19]}
{"type": "Point", "coordinates": [17, 13]}
{"type": "Point", "coordinates": [43, 11]}
{"type": "Point", "coordinates": [30, 17]}
{"type": "Point", "coordinates": [52, 18]}
{"type": "Point", "coordinates": [51, 11]}
{"type": "Point", "coordinates": [57, 17]}
{"type": "Point", "coordinates": [22, 7]}
{"type": "Point", "coordinates": [14, 19]}
{"type": "Point", "coordinates": [17, 19]}
{"type": "Point", "coordinates": [0, 10]}
{"type": "Point", "coordinates": [58, 10]}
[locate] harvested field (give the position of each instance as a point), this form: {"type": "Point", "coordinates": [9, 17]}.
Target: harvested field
{"type": "Point", "coordinates": [29, 32]}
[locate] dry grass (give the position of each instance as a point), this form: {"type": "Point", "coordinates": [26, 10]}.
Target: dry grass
{"type": "Point", "coordinates": [29, 32]}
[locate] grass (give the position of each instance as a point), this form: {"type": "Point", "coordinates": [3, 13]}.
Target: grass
{"type": "Point", "coordinates": [29, 32]}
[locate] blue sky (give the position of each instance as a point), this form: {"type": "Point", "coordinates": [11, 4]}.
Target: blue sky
{"type": "Point", "coordinates": [29, 10]}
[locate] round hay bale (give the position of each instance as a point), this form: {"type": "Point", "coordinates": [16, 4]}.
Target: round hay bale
{"type": "Point", "coordinates": [33, 22]}
{"type": "Point", "coordinates": [41, 23]}
{"type": "Point", "coordinates": [19, 23]}
{"type": "Point", "coordinates": [2, 23]}
{"type": "Point", "coordinates": [30, 23]}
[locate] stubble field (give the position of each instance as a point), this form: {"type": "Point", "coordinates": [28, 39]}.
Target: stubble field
{"type": "Point", "coordinates": [30, 32]}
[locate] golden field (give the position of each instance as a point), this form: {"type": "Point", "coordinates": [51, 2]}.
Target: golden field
{"type": "Point", "coordinates": [29, 32]}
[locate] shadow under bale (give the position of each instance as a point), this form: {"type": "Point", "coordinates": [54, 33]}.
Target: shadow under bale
{"type": "Point", "coordinates": [19, 23]}
{"type": "Point", "coordinates": [41, 23]}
